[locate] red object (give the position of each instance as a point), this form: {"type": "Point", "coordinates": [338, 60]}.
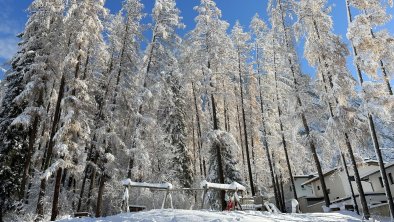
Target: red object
{"type": "Point", "coordinates": [230, 205]}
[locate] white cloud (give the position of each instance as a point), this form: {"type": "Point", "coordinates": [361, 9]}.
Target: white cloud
{"type": "Point", "coordinates": [8, 47]}
{"type": "Point", "coordinates": [9, 28]}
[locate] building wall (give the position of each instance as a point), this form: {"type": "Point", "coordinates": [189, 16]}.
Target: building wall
{"type": "Point", "coordinates": [376, 184]}
{"type": "Point", "coordinates": [339, 185]}
{"type": "Point", "coordinates": [367, 187]}
{"type": "Point", "coordinates": [305, 191]}
{"type": "Point", "coordinates": [334, 184]}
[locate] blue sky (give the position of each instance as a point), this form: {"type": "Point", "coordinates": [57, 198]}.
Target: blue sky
{"type": "Point", "coordinates": [14, 16]}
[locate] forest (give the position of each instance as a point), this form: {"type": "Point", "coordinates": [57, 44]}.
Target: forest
{"type": "Point", "coordinates": [89, 101]}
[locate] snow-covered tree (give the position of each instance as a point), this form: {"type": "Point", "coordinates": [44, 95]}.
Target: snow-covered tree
{"type": "Point", "coordinates": [172, 114]}
{"type": "Point", "coordinates": [373, 48]}
{"type": "Point", "coordinates": [229, 149]}
{"type": "Point", "coordinates": [336, 83]}
{"type": "Point", "coordinates": [28, 85]}
{"type": "Point", "coordinates": [241, 44]}
{"type": "Point", "coordinates": [70, 130]}
{"type": "Point", "coordinates": [373, 56]}
{"type": "Point", "coordinates": [210, 43]}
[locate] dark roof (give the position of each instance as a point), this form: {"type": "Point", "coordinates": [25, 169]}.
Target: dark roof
{"type": "Point", "coordinates": [377, 171]}
{"type": "Point", "coordinates": [303, 176]}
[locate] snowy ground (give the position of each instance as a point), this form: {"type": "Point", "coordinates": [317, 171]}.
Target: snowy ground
{"type": "Point", "coordinates": [197, 216]}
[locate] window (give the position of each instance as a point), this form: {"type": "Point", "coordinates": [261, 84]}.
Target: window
{"type": "Point", "coordinates": [302, 186]}
{"type": "Point", "coordinates": [318, 187]}
{"type": "Point", "coordinates": [381, 181]}
{"type": "Point", "coordinates": [391, 178]}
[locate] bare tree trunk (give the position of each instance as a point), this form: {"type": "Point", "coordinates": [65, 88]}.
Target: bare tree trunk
{"type": "Point", "coordinates": [279, 193]}
{"type": "Point", "coordinates": [26, 168]}
{"type": "Point", "coordinates": [284, 143]}
{"type": "Point", "coordinates": [100, 196]}
{"type": "Point", "coordinates": [381, 164]}
{"type": "Point", "coordinates": [225, 109]}
{"type": "Point", "coordinates": [194, 147]}
{"type": "Point", "coordinates": [40, 202]}
{"type": "Point", "coordinates": [91, 187]}
{"type": "Point", "coordinates": [198, 128]}
{"type": "Point", "coordinates": [283, 194]}
{"type": "Point", "coordinates": [265, 143]}
{"type": "Point", "coordinates": [244, 125]}
{"type": "Point", "coordinates": [357, 179]}
{"type": "Point", "coordinates": [48, 157]}
{"type": "Point", "coordinates": [317, 162]}
{"type": "Point", "coordinates": [242, 144]}
{"type": "Point", "coordinates": [350, 183]}
{"type": "Point", "coordinates": [56, 194]}
{"type": "Point", "coordinates": [218, 154]}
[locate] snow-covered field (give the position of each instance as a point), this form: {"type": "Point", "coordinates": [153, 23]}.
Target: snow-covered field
{"type": "Point", "coordinates": [196, 216]}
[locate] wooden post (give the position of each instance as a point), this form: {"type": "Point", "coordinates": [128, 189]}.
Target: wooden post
{"type": "Point", "coordinates": [126, 198]}
{"type": "Point", "coordinates": [172, 206]}
{"type": "Point", "coordinates": [164, 201]}
{"type": "Point", "coordinates": [203, 197]}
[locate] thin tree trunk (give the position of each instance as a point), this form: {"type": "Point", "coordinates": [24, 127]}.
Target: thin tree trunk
{"type": "Point", "coordinates": [218, 154]}
{"type": "Point", "coordinates": [26, 170]}
{"type": "Point", "coordinates": [91, 187]}
{"type": "Point", "coordinates": [279, 193]}
{"type": "Point", "coordinates": [131, 163]}
{"type": "Point", "coordinates": [205, 168]}
{"type": "Point", "coordinates": [265, 143]}
{"type": "Point", "coordinates": [242, 144]}
{"type": "Point", "coordinates": [82, 190]}
{"type": "Point", "coordinates": [317, 162]}
{"type": "Point", "coordinates": [225, 109]}
{"type": "Point", "coordinates": [48, 156]}
{"type": "Point", "coordinates": [40, 201]}
{"type": "Point", "coordinates": [198, 128]}
{"type": "Point", "coordinates": [350, 183]}
{"type": "Point", "coordinates": [381, 164]}
{"type": "Point", "coordinates": [283, 194]}
{"type": "Point", "coordinates": [194, 147]}
{"type": "Point", "coordinates": [284, 143]}
{"type": "Point", "coordinates": [357, 179]}
{"type": "Point", "coordinates": [74, 192]}
{"type": "Point", "coordinates": [32, 139]}
{"type": "Point", "coordinates": [244, 125]}
{"type": "Point", "coordinates": [100, 196]}
{"type": "Point", "coordinates": [383, 68]}
{"type": "Point", "coordinates": [56, 194]}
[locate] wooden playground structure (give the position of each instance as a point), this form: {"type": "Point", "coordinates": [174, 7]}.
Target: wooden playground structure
{"type": "Point", "coordinates": [234, 193]}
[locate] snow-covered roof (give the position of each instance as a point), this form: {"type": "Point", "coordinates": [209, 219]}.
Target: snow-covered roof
{"type": "Point", "coordinates": [315, 177]}
{"type": "Point", "coordinates": [376, 171]}
{"type": "Point", "coordinates": [218, 186]}
{"type": "Point", "coordinates": [163, 186]}
{"type": "Point", "coordinates": [328, 173]}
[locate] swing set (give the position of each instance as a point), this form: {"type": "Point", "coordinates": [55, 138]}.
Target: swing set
{"type": "Point", "coordinates": [128, 184]}
{"type": "Point", "coordinates": [231, 190]}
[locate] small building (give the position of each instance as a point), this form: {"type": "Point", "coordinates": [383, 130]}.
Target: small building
{"type": "Point", "coordinates": [375, 178]}
{"type": "Point", "coordinates": [338, 187]}
{"type": "Point", "coordinates": [337, 181]}
{"type": "Point", "coordinates": [302, 190]}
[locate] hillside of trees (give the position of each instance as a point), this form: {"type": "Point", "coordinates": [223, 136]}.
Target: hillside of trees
{"type": "Point", "coordinates": [86, 104]}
